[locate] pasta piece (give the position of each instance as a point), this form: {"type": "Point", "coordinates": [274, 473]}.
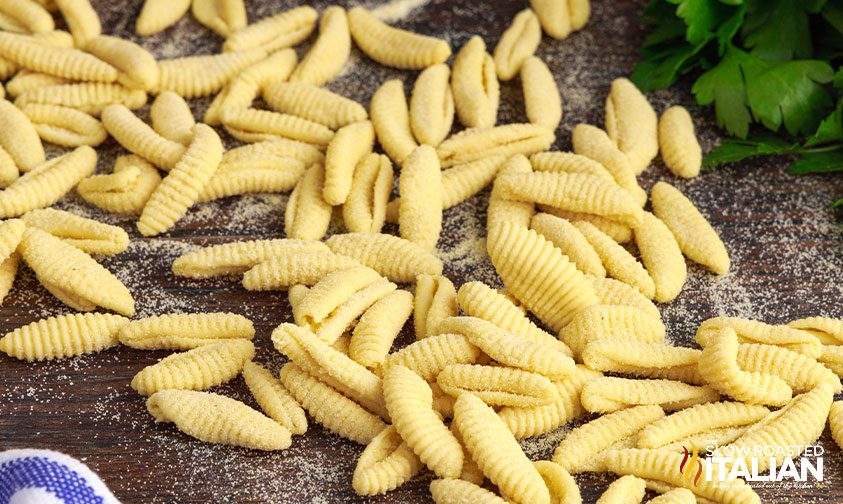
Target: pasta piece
{"type": "Point", "coordinates": [619, 263]}
{"type": "Point", "coordinates": [559, 19]}
{"type": "Point", "coordinates": [385, 464]}
{"type": "Point", "coordinates": [562, 486]}
{"type": "Point", "coordinates": [218, 419]}
{"type": "Point", "coordinates": [47, 183]}
{"type": "Point", "coordinates": [570, 241]}
{"type": "Point", "coordinates": [8, 272]}
{"type": "Point", "coordinates": [594, 143]}
{"type": "Point", "coordinates": [607, 394]}
{"type": "Point", "coordinates": [69, 63]}
{"type": "Point", "coordinates": [158, 15]}
{"type": "Point", "coordinates": [507, 140]}
{"type": "Point", "coordinates": [458, 491]}
{"type": "Point", "coordinates": [63, 336]}
{"type": "Point", "coordinates": [344, 316]}
{"type": "Point", "coordinates": [273, 33]}
{"type": "Point", "coordinates": [617, 231]}
{"type": "Point", "coordinates": [542, 101]}
{"type": "Point", "coordinates": [330, 408]}
{"type": "Point", "coordinates": [800, 372]}
{"type": "Point", "coordinates": [253, 125]}
{"type": "Point", "coordinates": [378, 327]}
{"type": "Point", "coordinates": [138, 137]}
{"type": "Point", "coordinates": [274, 399]}
{"type": "Point", "coordinates": [698, 419]}
{"type": "Point", "coordinates": [181, 187]}
{"type": "Point", "coordinates": [223, 16]}
{"type": "Point", "coordinates": [517, 43]}
{"type": "Point", "coordinates": [497, 453]}
{"type": "Point", "coordinates": [662, 257]}
{"type": "Point", "coordinates": [616, 293]}
{"type": "Point", "coordinates": [463, 181]}
{"type": "Point", "coordinates": [645, 360]}
{"type": "Point", "coordinates": [87, 235]}
{"type": "Point", "coordinates": [19, 138]}
{"type": "Point", "coordinates": [624, 490]}
{"type": "Point", "coordinates": [585, 448]}
{"type": "Point", "coordinates": [313, 103]}
{"type": "Point", "coordinates": [308, 215]}
{"type": "Point", "coordinates": [675, 496]}
{"type": "Point", "coordinates": [566, 162]}
{"type": "Point", "coordinates": [632, 124]}
{"type": "Point", "coordinates": [364, 210]}
{"type": "Point", "coordinates": [828, 330]}
{"type": "Point", "coordinates": [195, 76]}
{"type": "Point", "coordinates": [278, 148]}
{"type": "Point", "coordinates": [394, 47]}
{"type": "Point", "coordinates": [126, 190]}
{"type": "Point", "coordinates": [678, 143]}
{"type": "Point", "coordinates": [552, 288]}
{"type": "Point", "coordinates": [695, 236]}
{"type": "Point", "coordinates": [11, 233]}
{"type": "Point", "coordinates": [267, 175]}
{"type": "Point", "coordinates": [420, 187]}
{"type": "Point", "coordinates": [475, 85]}
{"type": "Point", "coordinates": [391, 119]}
{"type": "Point", "coordinates": [395, 258]}
{"type": "Point", "coordinates": [500, 208]}
{"type": "Point", "coordinates": [89, 97]}
{"type": "Point", "coordinates": [328, 55]}
{"type": "Point", "coordinates": [172, 118]}
{"type": "Point", "coordinates": [832, 358]}
{"type": "Point", "coordinates": [497, 386]}
{"type": "Point", "coordinates": [835, 422]}
{"type": "Point", "coordinates": [57, 38]}
{"type": "Point", "coordinates": [753, 331]}
{"type": "Point", "coordinates": [350, 145]}
{"type": "Point", "coordinates": [82, 19]}
{"type": "Point", "coordinates": [8, 169]}
{"type": "Point", "coordinates": [432, 105]}
{"type": "Point", "coordinates": [294, 267]}
{"type": "Point", "coordinates": [28, 16]}
{"type": "Point", "coordinates": [331, 291]}
{"type": "Point", "coordinates": [65, 126]}
{"type": "Point", "coordinates": [428, 357]}
{"type": "Point", "coordinates": [185, 331]}
{"type": "Point", "coordinates": [435, 301]}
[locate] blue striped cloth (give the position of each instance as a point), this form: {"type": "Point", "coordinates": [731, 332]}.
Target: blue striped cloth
{"type": "Point", "coordinates": [49, 477]}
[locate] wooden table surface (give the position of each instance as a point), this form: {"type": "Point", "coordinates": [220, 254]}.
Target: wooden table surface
{"type": "Point", "coordinates": [785, 244]}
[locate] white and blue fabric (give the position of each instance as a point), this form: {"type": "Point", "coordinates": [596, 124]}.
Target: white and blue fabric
{"type": "Point", "coordinates": [49, 477]}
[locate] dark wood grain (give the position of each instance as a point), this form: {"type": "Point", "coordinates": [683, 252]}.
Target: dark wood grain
{"type": "Point", "coordinates": [786, 248]}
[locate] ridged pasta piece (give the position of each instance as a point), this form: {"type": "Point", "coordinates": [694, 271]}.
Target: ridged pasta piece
{"type": "Point", "coordinates": [391, 119]}
{"type": "Point", "coordinates": [607, 394]}
{"type": "Point", "coordinates": [698, 419]}
{"type": "Point", "coordinates": [253, 125]}
{"type": "Point", "coordinates": [352, 308]}
{"type": "Point", "coordinates": [278, 148]}
{"type": "Point", "coordinates": [594, 143]}
{"type": "Point", "coordinates": [294, 267]}
{"type": "Point", "coordinates": [497, 453]}
{"type": "Point", "coordinates": [285, 29]}
{"type": "Point", "coordinates": [835, 422]}
{"type": "Point", "coordinates": [542, 101]}
{"type": "Point", "coordinates": [265, 175]}
{"type": "Point", "coordinates": [350, 145]}
{"type": "Point", "coordinates": [385, 464]}
{"type": "Point", "coordinates": [753, 331]}
{"type": "Point", "coordinates": [645, 360]}
{"type": "Point", "coordinates": [329, 52]}
{"type": "Point", "coordinates": [567, 162]}
{"type": "Point", "coordinates": [158, 15]}
{"type": "Point", "coordinates": [624, 490]}
{"type": "Point", "coordinates": [619, 263]}
{"type": "Point", "coordinates": [695, 236]}
{"type": "Point", "coordinates": [428, 357]}
{"type": "Point", "coordinates": [63, 336]}
{"type": "Point", "coordinates": [65, 126]}
{"type": "Point", "coordinates": [432, 105]}
{"type": "Point", "coordinates": [11, 233]}
{"type": "Point", "coordinates": [409, 401]}
{"type": "Point", "coordinates": [331, 409]}
{"type": "Point", "coordinates": [313, 103]}
{"type": "Point", "coordinates": [89, 97]}
{"type": "Point", "coordinates": [28, 15]}
{"type": "Point", "coordinates": [501, 209]}
{"type": "Point", "coordinates": [395, 258]}
{"type": "Point", "coordinates": [475, 86]}
{"type": "Point", "coordinates": [675, 496]}
{"type": "Point", "coordinates": [8, 272]}
{"type": "Point", "coordinates": [308, 215]}
{"type": "Point", "coordinates": [785, 433]}
{"type": "Point", "coordinates": [517, 43]}
{"type": "Point", "coordinates": [378, 328]}
{"type": "Point", "coordinates": [8, 169]}
{"type": "Point", "coordinates": [171, 118]}
{"type": "Point", "coordinates": [828, 330]}
{"type": "Point", "coordinates": [214, 418]}
{"type": "Point", "coordinates": [274, 399]}
{"type": "Point", "coordinates": [420, 188]}
{"type": "Point", "coordinates": [19, 137]}
{"type": "Point", "coordinates": [331, 291]}
{"type": "Point", "coordinates": [223, 16]}
{"type": "Point", "coordinates": [662, 257]}
{"type": "Point", "coordinates": [82, 19]}
{"type": "Point", "coordinates": [88, 235]}
{"type": "Point", "coordinates": [507, 140]}
{"type": "Point", "coordinates": [459, 491]}
{"type": "Point", "coordinates": [365, 208]}
{"type": "Point", "coordinates": [126, 190]}
{"type": "Point", "coordinates": [181, 187]}
{"type": "Point", "coordinates": [570, 241]}
{"type": "Point", "coordinates": [552, 288]}
{"type": "Point", "coordinates": [559, 19]}
{"type": "Point", "coordinates": [185, 331]}
{"type": "Point", "coordinates": [562, 486]}
{"type": "Point", "coordinates": [585, 447]}
{"type": "Point", "coordinates": [496, 385]}
{"type": "Point", "coordinates": [435, 300]}
{"type": "Point", "coordinates": [195, 76]}
{"type": "Point", "coordinates": [138, 137]}
{"type": "Point", "coordinates": [832, 358]}
{"type": "Point", "coordinates": [25, 80]}
{"type": "Point", "coordinates": [510, 349]}
{"type": "Point", "coordinates": [801, 372]}
{"type": "Point", "coordinates": [394, 47]}
{"type": "Point", "coordinates": [632, 124]}
{"type": "Point", "coordinates": [57, 38]}
{"type": "Point", "coordinates": [678, 143]}
{"type": "Point", "coordinates": [64, 62]}
{"type": "Point", "coordinates": [617, 231]}
{"type": "Point", "coordinates": [198, 369]}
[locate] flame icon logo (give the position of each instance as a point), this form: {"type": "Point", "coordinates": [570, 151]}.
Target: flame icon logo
{"type": "Point", "coordinates": [689, 461]}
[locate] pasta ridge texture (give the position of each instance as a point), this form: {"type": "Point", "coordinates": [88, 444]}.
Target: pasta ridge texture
{"type": "Point", "coordinates": [138, 137]}
{"type": "Point", "coordinates": [385, 464]}
{"type": "Point", "coordinates": [662, 257]}
{"type": "Point", "coordinates": [619, 263]}
{"type": "Point", "coordinates": [126, 190]}
{"type": "Point", "coordinates": [497, 386]}
{"type": "Point", "coordinates": [428, 357]}
{"type": "Point", "coordinates": [64, 62]}
{"type": "Point", "coordinates": [506, 140]}
{"type": "Point", "coordinates": [394, 47]}
{"type": "Point", "coordinates": [329, 53]}
{"type": "Point", "coordinates": [314, 104]}
{"type": "Point", "coordinates": [397, 259]}
{"type": "Point", "coordinates": [607, 394]}
{"type": "Point", "coordinates": [593, 142]}
{"type": "Point", "coordinates": [87, 235]}
{"type": "Point", "coordinates": [65, 126]}
{"type": "Point", "coordinates": [517, 43]}
{"type": "Point", "coordinates": [474, 84]}
{"type": "Point", "coordinates": [272, 33]}
{"type": "Point", "coordinates": [195, 76]}
{"type": "Point", "coordinates": [570, 240]}
{"type": "Point", "coordinates": [239, 256]}
{"type": "Point", "coordinates": [391, 119]}
{"type": "Point", "coordinates": [274, 399]}
{"type": "Point", "coordinates": [184, 331]}
{"type": "Point", "coordinates": [678, 143]}
{"type": "Point", "coordinates": [632, 124]}
{"type": "Point", "coordinates": [378, 327]}
{"type": "Point", "coordinates": [19, 137]}
{"type": "Point", "coordinates": [89, 97]}
{"type": "Point", "coordinates": [63, 336]}
{"type": "Point", "coordinates": [753, 331]}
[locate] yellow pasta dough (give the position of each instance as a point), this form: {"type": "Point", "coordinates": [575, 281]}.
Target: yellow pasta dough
{"type": "Point", "coordinates": [64, 62]}
{"type": "Point", "coordinates": [65, 126]}
{"type": "Point", "coordinates": [394, 47]}
{"type": "Point", "coordinates": [835, 422]}
{"type": "Point", "coordinates": [333, 290]}
{"type": "Point", "coordinates": [603, 322]}
{"type": "Point", "coordinates": [378, 327]}
{"type": "Point", "coordinates": [607, 394]}
{"type": "Point", "coordinates": [285, 29]}
{"type": "Point", "coordinates": [617, 231]}
{"type": "Point", "coordinates": [348, 147]}
{"type": "Point", "coordinates": [594, 143]}
{"type": "Point", "coordinates": [395, 258]}
{"type": "Point", "coordinates": [428, 357]}
{"type": "Point", "coordinates": [432, 105]}
{"type": "Point", "coordinates": [158, 15]}
{"type": "Point", "coordinates": [678, 143]}
{"type": "Point", "coordinates": [63, 336]}
{"type": "Point", "coordinates": [801, 372]}
{"type": "Point", "coordinates": [185, 331]}
{"type": "Point", "coordinates": [8, 272]}
{"type": "Point", "coordinates": [8, 170]}
{"type": "Point", "coordinates": [365, 208]}
{"type": "Point", "coordinates": [171, 118]}
{"type": "Point", "coordinates": [253, 125]}
{"type": "Point", "coordinates": [420, 188]}
{"type": "Point", "coordinates": [567, 162]}
{"type": "Point", "coordinates": [85, 234]}
{"type": "Point", "coordinates": [19, 138]}
{"type": "Point", "coordinates": [89, 97]}
{"type": "Point", "coordinates": [82, 19]}
{"type": "Point", "coordinates": [308, 215]}
{"type": "Point", "coordinates": [274, 399]}
{"type": "Point", "coordinates": [25, 80]}
{"type": "Point", "coordinates": [385, 464]}
{"type": "Point", "coordinates": [278, 148]}
{"type": "Point", "coordinates": [294, 267]}
{"type": "Point", "coordinates": [828, 330]}
{"type": "Point", "coordinates": [238, 257]}
{"type": "Point", "coordinates": [138, 137]}
{"type": "Point", "coordinates": [559, 19]}
{"type": "Point", "coordinates": [459, 491]}
{"type": "Point", "coordinates": [507, 140]}
{"type": "Point", "coordinates": [753, 331]}
{"type": "Point", "coordinates": [624, 490]}
{"type": "Point", "coordinates": [391, 119]}
{"type": "Point", "coordinates": [497, 386]}
{"type": "Point", "coordinates": [475, 86]}
{"type": "Point", "coordinates": [11, 233]}
{"type": "Point", "coordinates": [28, 15]}
{"type": "Point", "coordinates": [646, 360]}
{"type": "Point", "coordinates": [126, 190]}
{"type": "Point", "coordinates": [662, 257]}
{"type": "Point", "coordinates": [619, 263]}
{"type": "Point", "coordinates": [500, 208]}
{"type": "Point", "coordinates": [195, 76]}
{"type": "Point", "coordinates": [562, 486]}
{"type": "Point", "coordinates": [329, 53]}
{"type": "Point", "coordinates": [517, 43]}
{"type": "Point", "coordinates": [632, 124]}
{"type": "Point", "coordinates": [314, 104]}
{"type": "Point", "coordinates": [223, 16]}
{"type": "Point", "coordinates": [675, 496]}
{"type": "Point", "coordinates": [542, 101]}
{"type": "Point", "coordinates": [137, 67]}
{"type": "Point", "coordinates": [435, 300]}
{"type": "Point", "coordinates": [570, 241]}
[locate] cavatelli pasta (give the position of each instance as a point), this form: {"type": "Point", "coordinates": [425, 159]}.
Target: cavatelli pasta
{"type": "Point", "coordinates": [138, 137]}
{"type": "Point", "coordinates": [8, 272]}
{"type": "Point", "coordinates": [185, 331]}
{"type": "Point", "coordinates": [8, 170]}
{"type": "Point", "coordinates": [308, 215]}
{"type": "Point", "coordinates": [435, 300]}
{"type": "Point", "coordinates": [88, 235]}
{"type": "Point", "coordinates": [348, 147]}
{"type": "Point", "coordinates": [570, 241]}
{"type": "Point", "coordinates": [828, 330]}
{"type": "Point", "coordinates": [617, 231]}
{"type": "Point", "coordinates": [675, 496]}
{"type": "Point", "coordinates": [274, 399]}
{"type": "Point", "coordinates": [378, 327]}
{"type": "Point", "coordinates": [47, 183]}
{"type": "Point", "coordinates": [171, 118]}
{"type": "Point", "coordinates": [497, 453]}
{"type": "Point", "coordinates": [365, 208]}
{"type": "Point", "coordinates": [82, 19]}
{"type": "Point", "coordinates": [632, 124]}
{"type": "Point", "coordinates": [475, 86]}
{"type": "Point", "coordinates": [559, 19]}
{"type": "Point", "coordinates": [517, 43]}
{"type": "Point", "coordinates": [420, 188]}
{"type": "Point", "coordinates": [594, 143]}
{"type": "Point", "coordinates": [567, 162]}
{"type": "Point", "coordinates": [69, 63]}
{"type": "Point", "coordinates": [19, 137]}
{"type": "Point", "coordinates": [542, 101]}
{"type": "Point", "coordinates": [63, 336]}
{"type": "Point", "coordinates": [11, 233]}
{"type": "Point", "coordinates": [801, 372]}
{"type": "Point", "coordinates": [253, 125]}
{"type": "Point", "coordinates": [329, 53]}
{"type": "Point", "coordinates": [57, 38]}
{"type": "Point", "coordinates": [662, 257]}
{"type": "Point", "coordinates": [646, 360]}
{"type": "Point", "coordinates": [181, 187]}
{"type": "Point", "coordinates": [432, 105]}
{"type": "Point", "coordinates": [394, 47]}
{"type": "Point", "coordinates": [695, 236]}
{"type": "Point", "coordinates": [385, 464]}
{"type": "Point", "coordinates": [218, 419]}
{"type": "Point", "coordinates": [28, 16]}
{"type": "Point", "coordinates": [126, 190]}
{"type": "Point", "coordinates": [463, 181]}
{"type": "Point", "coordinates": [428, 357]}
{"type": "Point", "coordinates": [65, 126]}
{"type": "Point", "coordinates": [391, 119]}
{"type": "Point", "coordinates": [158, 15]}
{"type": "Point", "coordinates": [272, 33]}
{"type": "Point", "coordinates": [223, 16]}
{"type": "Point", "coordinates": [562, 486]}
{"type": "Point", "coordinates": [619, 263]}
{"type": "Point", "coordinates": [552, 288]}
{"type": "Point", "coordinates": [278, 148]}
{"type": "Point", "coordinates": [624, 490]}
{"type": "Point", "coordinates": [295, 267]}
{"type": "Point", "coordinates": [395, 258]}
{"type": "Point", "coordinates": [507, 140]}
{"type": "Point", "coordinates": [314, 104]}
{"type": "Point", "coordinates": [459, 491]}
{"type": "Point", "coordinates": [835, 422]}
{"type": "Point", "coordinates": [195, 76]}
{"type": "Point", "coordinates": [678, 143]}
{"type": "Point", "coordinates": [89, 97]}
{"type": "Point", "coordinates": [753, 331]}
{"type": "Point", "coordinates": [606, 394]}
{"type": "Point", "coordinates": [497, 385]}
{"type": "Point", "coordinates": [501, 209]}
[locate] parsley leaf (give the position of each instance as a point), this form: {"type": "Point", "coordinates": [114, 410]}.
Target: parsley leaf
{"type": "Point", "coordinates": [778, 29]}
{"type": "Point", "coordinates": [724, 86]}
{"type": "Point", "coordinates": [830, 129]}
{"type": "Point", "coordinates": [732, 150]}
{"type": "Point", "coordinates": [818, 162]}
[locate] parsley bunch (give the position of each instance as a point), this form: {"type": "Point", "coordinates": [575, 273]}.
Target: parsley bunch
{"type": "Point", "coordinates": [764, 62]}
